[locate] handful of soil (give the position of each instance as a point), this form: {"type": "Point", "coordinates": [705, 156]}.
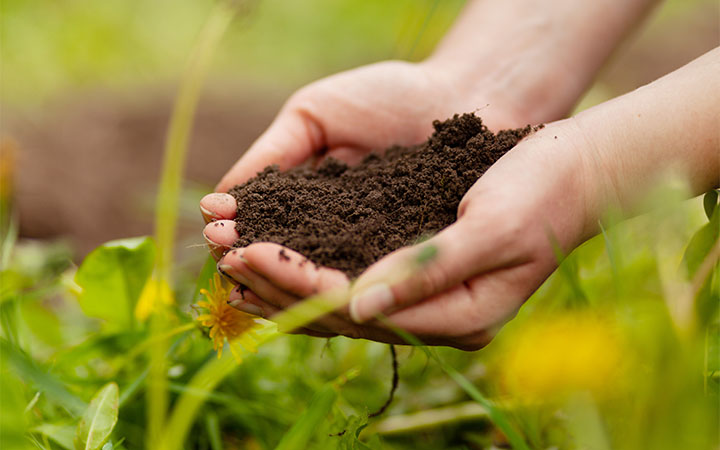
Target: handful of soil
{"type": "Point", "coordinates": [349, 217]}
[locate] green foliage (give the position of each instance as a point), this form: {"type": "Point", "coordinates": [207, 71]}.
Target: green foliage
{"type": "Point", "coordinates": [701, 243]}
{"type": "Point", "coordinates": [307, 425]}
{"type": "Point", "coordinates": [99, 419]}
{"type": "Point", "coordinates": [27, 370]}
{"type": "Point", "coordinates": [52, 50]}
{"type": "Point", "coordinates": [111, 279]}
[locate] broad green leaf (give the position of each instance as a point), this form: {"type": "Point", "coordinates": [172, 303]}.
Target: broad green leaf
{"type": "Point", "coordinates": [299, 435]}
{"type": "Point", "coordinates": [99, 419]}
{"type": "Point", "coordinates": [112, 278]}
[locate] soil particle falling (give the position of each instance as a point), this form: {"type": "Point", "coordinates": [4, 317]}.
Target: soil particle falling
{"type": "Point", "coordinates": [349, 217]}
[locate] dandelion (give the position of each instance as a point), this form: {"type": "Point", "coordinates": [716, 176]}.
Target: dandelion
{"type": "Point", "coordinates": [560, 355]}
{"type": "Point", "coordinates": [225, 322]}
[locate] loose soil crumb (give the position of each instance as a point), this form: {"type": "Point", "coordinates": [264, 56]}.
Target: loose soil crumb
{"type": "Point", "coordinates": [349, 217]}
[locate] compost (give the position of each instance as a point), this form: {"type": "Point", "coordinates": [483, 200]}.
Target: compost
{"type": "Point", "coordinates": [348, 217]}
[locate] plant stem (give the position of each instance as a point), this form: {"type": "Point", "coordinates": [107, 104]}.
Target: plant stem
{"type": "Point", "coordinates": [168, 196]}
{"type": "Point", "coordinates": [431, 418]}
{"type": "Point", "coordinates": [196, 392]}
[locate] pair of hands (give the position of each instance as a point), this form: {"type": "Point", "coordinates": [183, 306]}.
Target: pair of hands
{"type": "Point", "coordinates": [487, 263]}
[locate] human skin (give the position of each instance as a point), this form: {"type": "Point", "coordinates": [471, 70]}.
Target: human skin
{"type": "Point", "coordinates": [556, 182]}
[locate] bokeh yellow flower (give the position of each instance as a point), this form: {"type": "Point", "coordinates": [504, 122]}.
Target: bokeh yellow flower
{"type": "Point", "coordinates": [225, 322]}
{"type": "Point", "coordinates": [550, 357]}
{"type": "Point", "coordinates": [155, 295]}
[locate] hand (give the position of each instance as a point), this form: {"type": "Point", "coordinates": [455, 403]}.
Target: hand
{"type": "Point", "coordinates": [370, 108]}
{"type": "Point", "coordinates": [344, 116]}
{"type": "Point", "coordinates": [487, 263]}
{"type": "Point", "coordinates": [553, 186]}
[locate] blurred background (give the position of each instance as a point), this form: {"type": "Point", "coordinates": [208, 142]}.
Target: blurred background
{"type": "Point", "coordinates": [87, 89]}
{"type": "Point", "coordinates": [605, 355]}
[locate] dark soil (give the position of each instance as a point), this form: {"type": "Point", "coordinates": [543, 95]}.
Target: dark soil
{"type": "Point", "coordinates": [349, 217]}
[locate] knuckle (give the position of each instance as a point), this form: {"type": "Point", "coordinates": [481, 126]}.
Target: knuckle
{"type": "Point", "coordinates": [429, 281]}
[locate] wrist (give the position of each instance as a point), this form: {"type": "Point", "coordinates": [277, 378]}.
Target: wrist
{"type": "Point", "coordinates": [559, 177]}
{"type": "Point", "coordinates": [516, 78]}
{"type": "Point", "coordinates": [533, 62]}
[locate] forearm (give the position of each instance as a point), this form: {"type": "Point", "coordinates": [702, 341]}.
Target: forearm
{"type": "Point", "coordinates": [539, 55]}
{"type": "Point", "coordinates": [669, 127]}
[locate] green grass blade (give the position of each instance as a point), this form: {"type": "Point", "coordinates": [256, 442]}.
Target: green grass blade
{"type": "Point", "coordinates": [568, 269]}
{"type": "Point", "coordinates": [201, 385]}
{"type": "Point", "coordinates": [168, 197]}
{"type": "Point", "coordinates": [213, 428]}
{"type": "Point", "coordinates": [614, 264]}
{"type": "Point", "coordinates": [43, 381]}
{"type": "Point", "coordinates": [299, 435]}
{"type": "Point", "coordinates": [496, 415]}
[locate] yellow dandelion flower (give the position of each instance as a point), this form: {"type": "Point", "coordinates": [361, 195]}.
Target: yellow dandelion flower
{"type": "Point", "coordinates": [555, 356]}
{"type": "Point", "coordinates": [225, 322]}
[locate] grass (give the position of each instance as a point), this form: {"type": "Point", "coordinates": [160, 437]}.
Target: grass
{"type": "Point", "coordinates": [663, 396]}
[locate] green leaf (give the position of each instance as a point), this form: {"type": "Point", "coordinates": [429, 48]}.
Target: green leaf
{"type": "Point", "coordinates": [99, 419]}
{"type": "Point", "coordinates": [304, 429]}
{"type": "Point", "coordinates": [350, 439]}
{"type": "Point", "coordinates": [710, 203]}
{"type": "Point", "coordinates": [42, 323]}
{"type": "Point", "coordinates": [112, 278]}
{"type": "Point", "coordinates": [203, 280]}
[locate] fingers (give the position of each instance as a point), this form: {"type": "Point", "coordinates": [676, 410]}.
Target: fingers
{"type": "Point", "coordinates": [291, 271]}
{"type": "Point", "coordinates": [246, 301]}
{"type": "Point", "coordinates": [220, 236]}
{"type": "Point", "coordinates": [411, 274]}
{"type": "Point", "coordinates": [218, 206]}
{"type": "Point", "coordinates": [235, 265]}
{"type": "Point", "coordinates": [471, 309]}
{"type": "Point", "coordinates": [293, 137]}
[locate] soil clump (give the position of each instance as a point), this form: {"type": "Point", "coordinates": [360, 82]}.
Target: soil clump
{"type": "Point", "coordinates": [348, 217]}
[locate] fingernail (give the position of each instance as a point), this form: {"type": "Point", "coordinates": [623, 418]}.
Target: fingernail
{"type": "Point", "coordinates": [212, 243]}
{"type": "Point", "coordinates": [373, 300]}
{"type": "Point", "coordinates": [230, 271]}
{"type": "Point", "coordinates": [209, 213]}
{"type": "Point", "coordinates": [237, 293]}
{"type": "Point", "coordinates": [247, 308]}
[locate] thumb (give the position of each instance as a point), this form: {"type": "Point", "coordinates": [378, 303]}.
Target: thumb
{"type": "Point", "coordinates": [412, 274]}
{"type": "Point", "coordinates": [292, 138]}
